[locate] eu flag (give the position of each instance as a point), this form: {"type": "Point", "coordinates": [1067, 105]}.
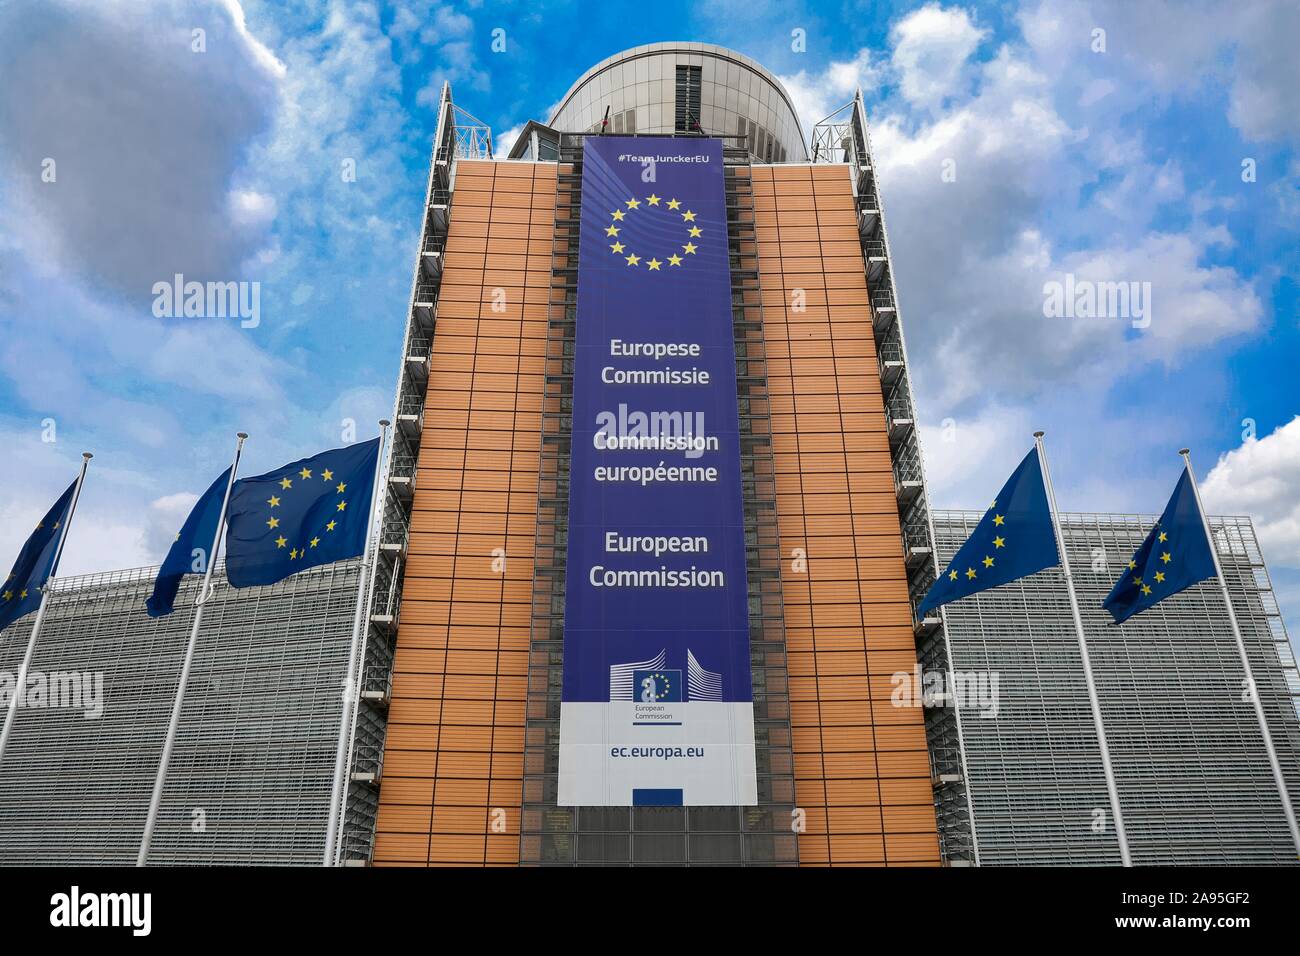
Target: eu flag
{"type": "Point", "coordinates": [21, 593]}
{"type": "Point", "coordinates": [189, 552]}
{"type": "Point", "coordinates": [1013, 539]}
{"type": "Point", "coordinates": [311, 512]}
{"type": "Point", "coordinates": [1175, 555]}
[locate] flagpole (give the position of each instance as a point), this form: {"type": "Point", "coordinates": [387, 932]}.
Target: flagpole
{"type": "Point", "coordinates": [21, 688]}
{"type": "Point", "coordinates": [1278, 778]}
{"type": "Point", "coordinates": [205, 593]}
{"type": "Point", "coordinates": [1111, 788]}
{"type": "Point", "coordinates": [351, 688]}
{"type": "Point", "coordinates": [956, 713]}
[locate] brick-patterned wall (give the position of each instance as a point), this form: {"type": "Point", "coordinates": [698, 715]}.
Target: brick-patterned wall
{"type": "Point", "coordinates": [455, 739]}
{"type": "Point", "coordinates": [861, 766]}
{"type": "Point", "coordinates": [456, 725]}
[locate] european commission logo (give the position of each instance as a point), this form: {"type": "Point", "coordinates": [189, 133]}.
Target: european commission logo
{"type": "Point", "coordinates": [668, 220]}
{"type": "Point", "coordinates": [658, 686]}
{"type": "Point", "coordinates": [649, 681]}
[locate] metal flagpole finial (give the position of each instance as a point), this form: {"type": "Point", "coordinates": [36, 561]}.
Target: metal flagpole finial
{"type": "Point", "coordinates": [1184, 452]}
{"type": "Point", "coordinates": [242, 436]}
{"type": "Point", "coordinates": [384, 423]}
{"type": "Point", "coordinates": [1039, 434]}
{"type": "Point", "coordinates": [87, 455]}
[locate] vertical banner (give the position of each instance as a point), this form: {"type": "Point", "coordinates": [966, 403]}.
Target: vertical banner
{"type": "Point", "coordinates": [657, 706]}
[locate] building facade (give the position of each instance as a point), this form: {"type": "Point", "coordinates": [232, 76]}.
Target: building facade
{"type": "Point", "coordinates": [250, 777]}
{"type": "Point", "coordinates": [455, 757]}
{"type": "Point", "coordinates": [832, 489]}
{"type": "Point", "coordinates": [668, 88]}
{"type": "Point", "coordinates": [1195, 786]}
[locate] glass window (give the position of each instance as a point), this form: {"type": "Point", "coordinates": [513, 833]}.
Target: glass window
{"type": "Point", "coordinates": [715, 848]}
{"type": "Point", "coordinates": [659, 848]}
{"type": "Point", "coordinates": [603, 847]}
{"type": "Point", "coordinates": [687, 118]}
{"type": "Point", "coordinates": [659, 819]}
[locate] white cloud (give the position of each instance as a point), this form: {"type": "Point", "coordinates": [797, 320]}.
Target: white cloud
{"type": "Point", "coordinates": [1285, 192]}
{"type": "Point", "coordinates": [251, 208]}
{"type": "Point", "coordinates": [549, 113]}
{"type": "Point", "coordinates": [125, 371]}
{"type": "Point", "coordinates": [215, 358]}
{"type": "Point", "coordinates": [1096, 91]}
{"type": "Point", "coordinates": [1159, 48]}
{"type": "Point", "coordinates": [992, 317]}
{"type": "Point", "coordinates": [816, 95]}
{"type": "Point", "coordinates": [1261, 478]}
{"type": "Point", "coordinates": [447, 22]}
{"type": "Point", "coordinates": [241, 169]}
{"type": "Point", "coordinates": [447, 33]}
{"type": "Point", "coordinates": [340, 104]}
{"type": "Point", "coordinates": [967, 459]}
{"type": "Point", "coordinates": [931, 48]}
{"type": "Point", "coordinates": [104, 533]}
{"type": "Point", "coordinates": [1017, 169]}
{"type": "Point", "coordinates": [165, 517]}
{"type": "Point", "coordinates": [146, 135]}
{"type": "Point", "coordinates": [361, 408]}
{"type": "Point", "coordinates": [265, 58]}
{"type": "Point", "coordinates": [502, 142]}
{"type": "Point", "coordinates": [1267, 70]}
{"type": "Point", "coordinates": [1192, 304]}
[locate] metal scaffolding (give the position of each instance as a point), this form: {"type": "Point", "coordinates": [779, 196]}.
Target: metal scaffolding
{"type": "Point", "coordinates": [458, 135]}
{"type": "Point", "coordinates": [843, 137]}
{"type": "Point", "coordinates": [1194, 781]}
{"type": "Point", "coordinates": [250, 778]}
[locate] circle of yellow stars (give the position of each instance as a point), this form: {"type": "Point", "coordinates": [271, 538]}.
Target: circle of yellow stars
{"type": "Point", "coordinates": [1159, 576]}
{"type": "Point", "coordinates": [989, 560]}
{"type": "Point", "coordinates": [693, 231]}
{"type": "Point", "coordinates": [663, 677]}
{"type": "Point", "coordinates": [273, 522]}
{"type": "Point", "coordinates": [8, 594]}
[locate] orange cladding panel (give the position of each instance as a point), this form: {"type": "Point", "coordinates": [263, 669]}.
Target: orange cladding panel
{"type": "Point", "coordinates": [861, 765]}
{"type": "Point", "coordinates": [453, 762]}
{"type": "Point", "coordinates": [453, 769]}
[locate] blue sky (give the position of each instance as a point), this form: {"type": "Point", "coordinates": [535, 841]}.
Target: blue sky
{"type": "Point", "coordinates": [1118, 160]}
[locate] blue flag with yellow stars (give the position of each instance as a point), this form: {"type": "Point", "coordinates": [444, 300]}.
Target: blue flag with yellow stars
{"type": "Point", "coordinates": [311, 512]}
{"type": "Point", "coordinates": [189, 552]}
{"type": "Point", "coordinates": [1174, 556]}
{"type": "Point", "coordinates": [21, 593]}
{"type": "Point", "coordinates": [1013, 539]}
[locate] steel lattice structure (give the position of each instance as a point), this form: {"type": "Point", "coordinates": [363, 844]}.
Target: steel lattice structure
{"type": "Point", "coordinates": [250, 779]}
{"type": "Point", "coordinates": [1194, 780]}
